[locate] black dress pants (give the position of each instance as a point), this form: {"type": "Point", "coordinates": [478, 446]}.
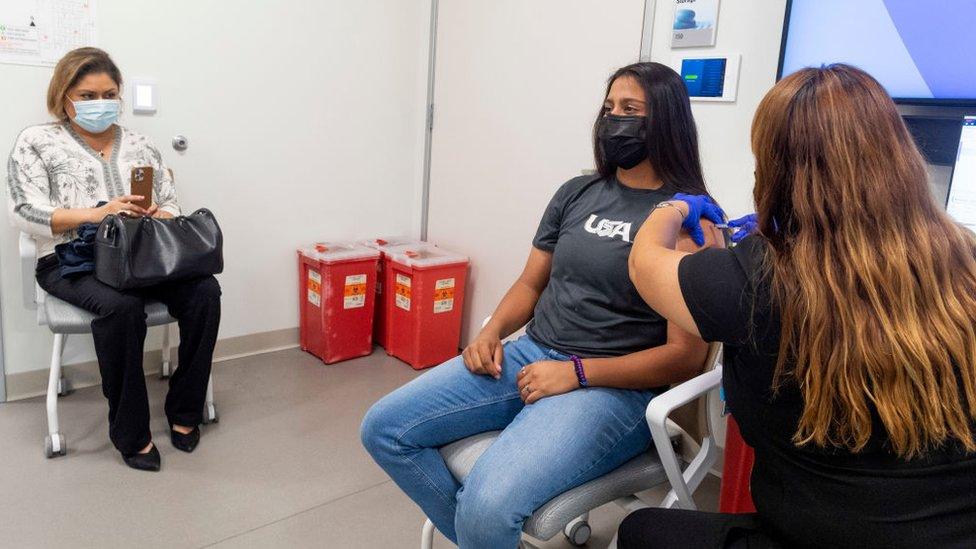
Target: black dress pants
{"type": "Point", "coordinates": [657, 528]}
{"type": "Point", "coordinates": [120, 333]}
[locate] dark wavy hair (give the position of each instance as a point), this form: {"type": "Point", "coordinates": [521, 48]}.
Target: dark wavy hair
{"type": "Point", "coordinates": [672, 138]}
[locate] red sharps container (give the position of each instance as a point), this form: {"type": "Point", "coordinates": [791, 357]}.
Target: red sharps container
{"type": "Point", "coordinates": [337, 296]}
{"type": "Point", "coordinates": [381, 328]}
{"type": "Point", "coordinates": [424, 316]}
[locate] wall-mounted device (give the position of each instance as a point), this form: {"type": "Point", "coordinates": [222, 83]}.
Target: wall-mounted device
{"type": "Point", "coordinates": [144, 96]}
{"type": "Point", "coordinates": [710, 77]}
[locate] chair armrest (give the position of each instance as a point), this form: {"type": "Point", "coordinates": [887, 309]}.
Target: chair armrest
{"type": "Point", "coordinates": [658, 411]}
{"type": "Point", "coordinates": [28, 262]}
{"type": "Point", "coordinates": [662, 405]}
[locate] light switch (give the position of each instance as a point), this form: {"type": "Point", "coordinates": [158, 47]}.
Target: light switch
{"type": "Point", "coordinates": [144, 97]}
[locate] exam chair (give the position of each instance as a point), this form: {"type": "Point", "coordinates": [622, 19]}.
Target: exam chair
{"type": "Point", "coordinates": [569, 512]}
{"type": "Point", "coordinates": [64, 319]}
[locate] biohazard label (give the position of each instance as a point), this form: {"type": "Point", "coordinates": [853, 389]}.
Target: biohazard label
{"type": "Point", "coordinates": [314, 288]}
{"type": "Point", "coordinates": [444, 295]}
{"type": "Point", "coordinates": [354, 295]}
{"type": "Point", "coordinates": [403, 292]}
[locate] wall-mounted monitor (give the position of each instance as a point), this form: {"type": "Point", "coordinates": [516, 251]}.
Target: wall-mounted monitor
{"type": "Point", "coordinates": [710, 77]}
{"type": "Point", "coordinates": [961, 203]}
{"type": "Point", "coordinates": [922, 52]}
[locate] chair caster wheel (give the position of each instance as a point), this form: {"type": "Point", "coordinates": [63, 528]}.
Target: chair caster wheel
{"type": "Point", "coordinates": [210, 416]}
{"type": "Point", "coordinates": [578, 533]}
{"type": "Point", "coordinates": [64, 387]}
{"type": "Point", "coordinates": [54, 447]}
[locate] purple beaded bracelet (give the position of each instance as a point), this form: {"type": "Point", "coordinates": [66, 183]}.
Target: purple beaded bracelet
{"type": "Point", "coordinates": [580, 374]}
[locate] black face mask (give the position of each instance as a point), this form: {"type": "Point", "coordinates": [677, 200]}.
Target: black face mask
{"type": "Point", "coordinates": [622, 140]}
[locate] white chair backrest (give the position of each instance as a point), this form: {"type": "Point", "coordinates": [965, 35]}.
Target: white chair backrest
{"type": "Point", "coordinates": [712, 407]}
{"type": "Point", "coordinates": [700, 418]}
{"type": "Point", "coordinates": [32, 293]}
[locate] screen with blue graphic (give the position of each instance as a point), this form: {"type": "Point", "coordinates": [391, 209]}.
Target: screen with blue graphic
{"type": "Point", "coordinates": [917, 50]}
{"type": "Point", "coordinates": [704, 77]}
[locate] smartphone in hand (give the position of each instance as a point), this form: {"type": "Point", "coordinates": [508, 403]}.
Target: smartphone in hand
{"type": "Point", "coordinates": [141, 184]}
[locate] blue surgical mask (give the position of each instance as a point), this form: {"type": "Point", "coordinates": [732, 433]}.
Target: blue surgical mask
{"type": "Point", "coordinates": [97, 115]}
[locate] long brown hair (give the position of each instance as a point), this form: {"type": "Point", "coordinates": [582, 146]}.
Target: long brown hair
{"type": "Point", "coordinates": [876, 285]}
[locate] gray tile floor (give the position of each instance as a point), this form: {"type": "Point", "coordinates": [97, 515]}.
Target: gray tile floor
{"type": "Point", "coordinates": [283, 468]}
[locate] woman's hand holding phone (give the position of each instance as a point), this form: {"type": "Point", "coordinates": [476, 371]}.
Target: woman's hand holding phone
{"type": "Point", "coordinates": [123, 205]}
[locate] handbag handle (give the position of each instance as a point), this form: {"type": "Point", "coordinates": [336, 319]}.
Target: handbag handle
{"type": "Point", "coordinates": [111, 232]}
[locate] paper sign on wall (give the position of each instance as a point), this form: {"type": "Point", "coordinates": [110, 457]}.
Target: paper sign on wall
{"type": "Point", "coordinates": [40, 32]}
{"type": "Point", "coordinates": [695, 22]}
{"type": "Point", "coordinates": [354, 295]}
{"type": "Point", "coordinates": [314, 288]}
{"type": "Point", "coordinates": [444, 295]}
{"type": "Point", "coordinates": [403, 292]}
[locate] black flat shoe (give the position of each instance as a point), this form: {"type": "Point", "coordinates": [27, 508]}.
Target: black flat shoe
{"type": "Point", "coordinates": [187, 442]}
{"type": "Point", "coordinates": [150, 461]}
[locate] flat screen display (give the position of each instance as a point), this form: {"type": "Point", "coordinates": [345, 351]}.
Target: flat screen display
{"type": "Point", "coordinates": [921, 51]}
{"type": "Point", "coordinates": [704, 77]}
{"type": "Point", "coordinates": [961, 203]}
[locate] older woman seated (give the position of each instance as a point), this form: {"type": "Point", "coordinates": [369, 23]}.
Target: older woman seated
{"type": "Point", "coordinates": [58, 173]}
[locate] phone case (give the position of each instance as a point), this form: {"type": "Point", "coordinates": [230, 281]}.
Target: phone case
{"type": "Point", "coordinates": [142, 185]}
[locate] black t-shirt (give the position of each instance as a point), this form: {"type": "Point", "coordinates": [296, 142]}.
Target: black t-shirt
{"type": "Point", "coordinates": [590, 307]}
{"type": "Point", "coordinates": [811, 496]}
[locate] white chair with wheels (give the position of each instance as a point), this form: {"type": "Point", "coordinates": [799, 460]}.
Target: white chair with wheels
{"type": "Point", "coordinates": [64, 319]}
{"type": "Point", "coordinates": [569, 512]}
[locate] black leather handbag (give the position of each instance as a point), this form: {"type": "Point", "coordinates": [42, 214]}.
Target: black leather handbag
{"type": "Point", "coordinates": [138, 252]}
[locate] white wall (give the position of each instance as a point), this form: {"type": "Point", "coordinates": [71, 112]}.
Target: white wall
{"type": "Point", "coordinates": [518, 87]}
{"type": "Point", "coordinates": [752, 28]}
{"type": "Point", "coordinates": [305, 120]}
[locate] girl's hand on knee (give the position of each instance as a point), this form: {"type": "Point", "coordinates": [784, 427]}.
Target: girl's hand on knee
{"type": "Point", "coordinates": [546, 378]}
{"type": "Point", "coordinates": [484, 356]}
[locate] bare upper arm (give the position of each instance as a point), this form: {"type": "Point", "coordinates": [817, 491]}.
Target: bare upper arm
{"type": "Point", "coordinates": [537, 269]}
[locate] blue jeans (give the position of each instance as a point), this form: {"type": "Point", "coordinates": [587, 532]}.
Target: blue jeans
{"type": "Point", "coordinates": [545, 449]}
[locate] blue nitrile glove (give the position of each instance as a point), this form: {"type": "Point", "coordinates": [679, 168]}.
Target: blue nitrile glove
{"type": "Point", "coordinates": [746, 225]}
{"type": "Point", "coordinates": [699, 206]}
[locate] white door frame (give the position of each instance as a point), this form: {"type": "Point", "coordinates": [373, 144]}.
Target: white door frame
{"type": "Point", "coordinates": [3, 367]}
{"type": "Point", "coordinates": [647, 30]}
{"type": "Point", "coordinates": [428, 133]}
